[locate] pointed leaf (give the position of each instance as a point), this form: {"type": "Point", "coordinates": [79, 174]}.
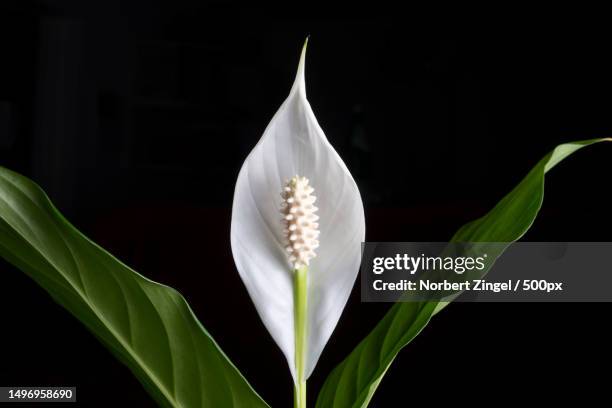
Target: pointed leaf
{"type": "Point", "coordinates": [148, 326]}
{"type": "Point", "coordinates": [294, 144]}
{"type": "Point", "coordinates": [353, 382]}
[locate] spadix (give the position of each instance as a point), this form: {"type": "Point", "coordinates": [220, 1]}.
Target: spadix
{"type": "Point", "coordinates": [301, 227]}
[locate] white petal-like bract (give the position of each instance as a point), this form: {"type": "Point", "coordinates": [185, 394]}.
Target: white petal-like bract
{"type": "Point", "coordinates": [294, 144]}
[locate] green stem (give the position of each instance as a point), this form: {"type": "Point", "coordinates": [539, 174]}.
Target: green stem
{"type": "Point", "coordinates": [300, 298]}
{"type": "Point", "coordinates": [299, 397]}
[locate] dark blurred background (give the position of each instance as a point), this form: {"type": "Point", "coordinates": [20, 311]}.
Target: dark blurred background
{"type": "Point", "coordinates": [135, 117]}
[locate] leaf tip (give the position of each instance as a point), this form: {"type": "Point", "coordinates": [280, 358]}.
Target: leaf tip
{"type": "Point", "coordinates": [300, 78]}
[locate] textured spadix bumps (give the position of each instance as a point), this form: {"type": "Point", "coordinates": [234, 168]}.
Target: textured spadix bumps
{"type": "Point", "coordinates": [294, 144]}
{"type": "Point", "coordinates": [301, 227]}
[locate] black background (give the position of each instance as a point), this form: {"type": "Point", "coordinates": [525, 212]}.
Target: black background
{"type": "Point", "coordinates": [136, 116]}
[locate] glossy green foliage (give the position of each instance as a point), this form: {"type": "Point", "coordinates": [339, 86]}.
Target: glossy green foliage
{"type": "Point", "coordinates": [148, 326]}
{"type": "Point", "coordinates": [353, 382]}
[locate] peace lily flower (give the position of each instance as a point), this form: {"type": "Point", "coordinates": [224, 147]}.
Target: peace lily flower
{"type": "Point", "coordinates": [298, 262]}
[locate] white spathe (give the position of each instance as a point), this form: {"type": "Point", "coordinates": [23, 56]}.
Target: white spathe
{"type": "Point", "coordinates": [294, 144]}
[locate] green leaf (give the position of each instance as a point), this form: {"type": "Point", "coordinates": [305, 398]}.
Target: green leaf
{"type": "Point", "coordinates": [353, 382]}
{"type": "Point", "coordinates": [148, 326]}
